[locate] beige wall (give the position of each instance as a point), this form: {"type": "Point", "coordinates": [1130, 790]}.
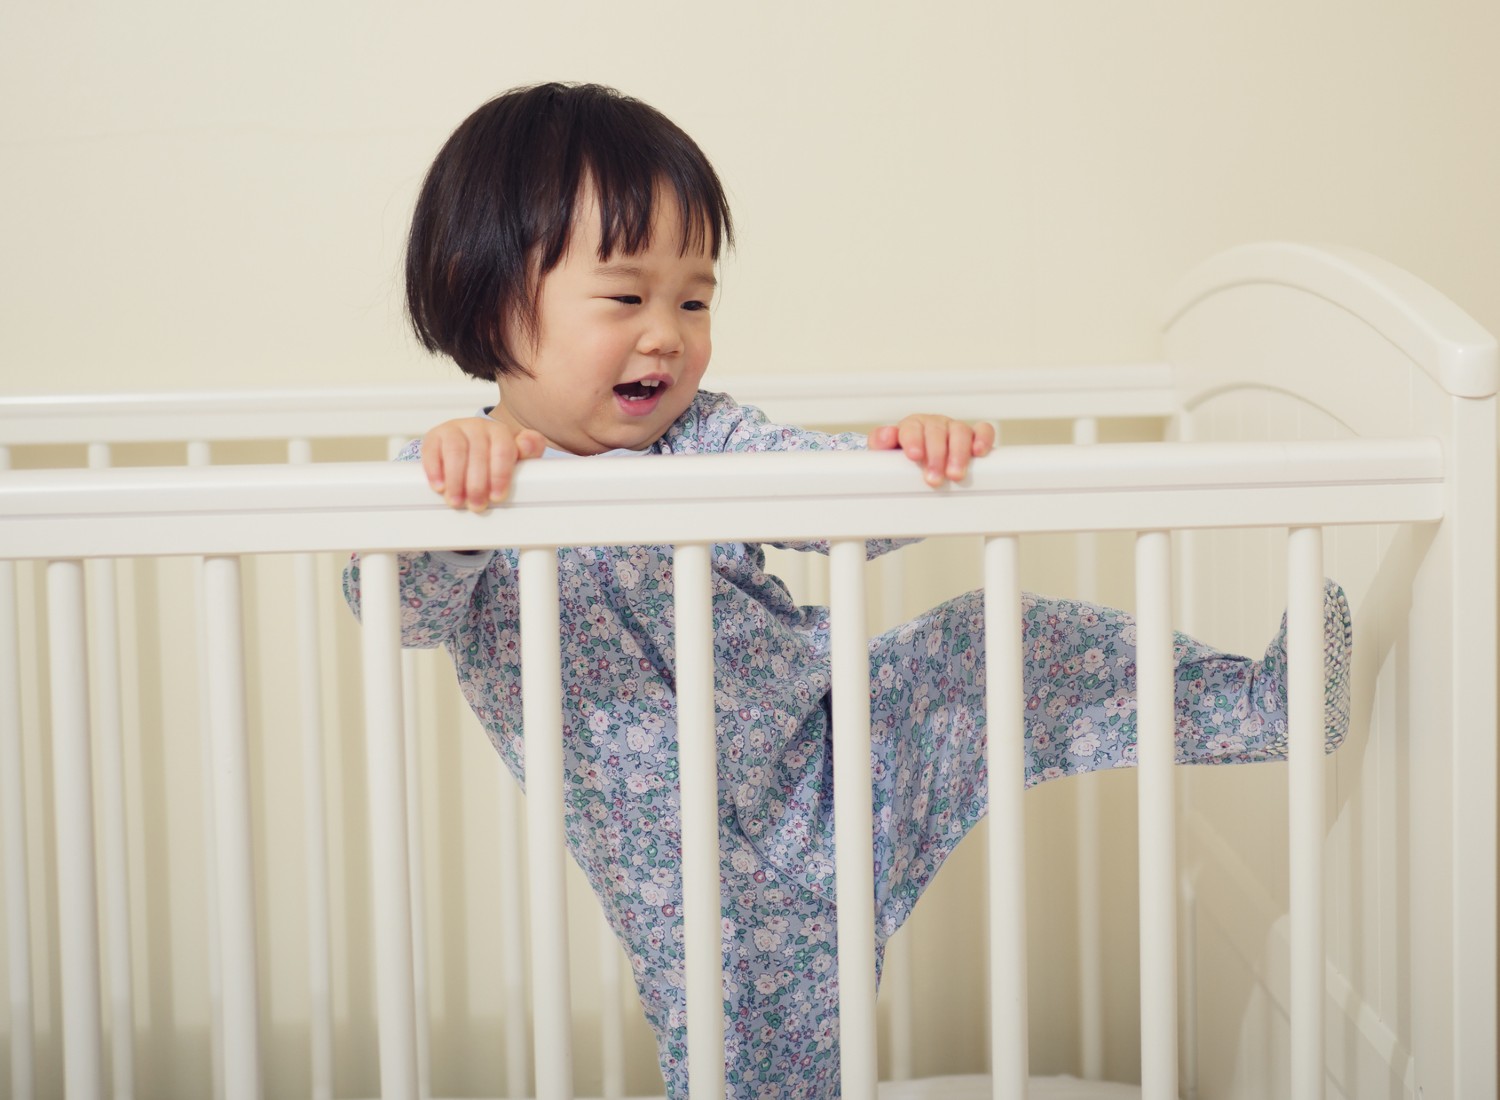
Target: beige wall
{"type": "Point", "coordinates": [199, 195]}
{"type": "Point", "coordinates": [196, 198]}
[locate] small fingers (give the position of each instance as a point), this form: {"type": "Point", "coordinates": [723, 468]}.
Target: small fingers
{"type": "Point", "coordinates": [984, 438]}
{"type": "Point", "coordinates": [934, 450]}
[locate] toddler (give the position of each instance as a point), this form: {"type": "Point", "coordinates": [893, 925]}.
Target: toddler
{"type": "Point", "coordinates": [564, 246]}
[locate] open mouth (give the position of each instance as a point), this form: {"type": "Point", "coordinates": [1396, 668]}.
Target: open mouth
{"type": "Point", "coordinates": [643, 390]}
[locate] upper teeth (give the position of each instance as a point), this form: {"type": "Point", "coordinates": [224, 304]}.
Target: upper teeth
{"type": "Point", "coordinates": [650, 383]}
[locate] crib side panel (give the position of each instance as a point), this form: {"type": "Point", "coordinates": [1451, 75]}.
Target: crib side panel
{"type": "Point", "coordinates": [1261, 360]}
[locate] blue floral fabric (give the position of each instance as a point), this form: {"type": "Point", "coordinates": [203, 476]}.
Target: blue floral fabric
{"type": "Point", "coordinates": [772, 687]}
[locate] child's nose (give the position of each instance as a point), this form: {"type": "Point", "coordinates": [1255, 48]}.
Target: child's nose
{"type": "Point", "coordinates": [663, 335]}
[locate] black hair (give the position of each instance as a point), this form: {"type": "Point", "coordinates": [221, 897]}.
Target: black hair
{"type": "Point", "coordinates": [495, 212]}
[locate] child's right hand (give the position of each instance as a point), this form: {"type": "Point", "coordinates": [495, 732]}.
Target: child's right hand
{"type": "Point", "coordinates": [469, 461]}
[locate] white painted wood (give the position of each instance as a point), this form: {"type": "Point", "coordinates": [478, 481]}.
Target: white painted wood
{"type": "Point", "coordinates": [1090, 895]}
{"type": "Point", "coordinates": [1189, 976]}
{"type": "Point", "coordinates": [898, 986]}
{"type": "Point", "coordinates": [1472, 508]}
{"type": "Point", "coordinates": [232, 839]}
{"type": "Point", "coordinates": [416, 866]}
{"type": "Point", "coordinates": [753, 497]}
{"type": "Point", "coordinates": [1424, 325]}
{"type": "Point", "coordinates": [612, 1016]}
{"type": "Point", "coordinates": [200, 454]}
{"type": "Point", "coordinates": [541, 699]}
{"type": "Point", "coordinates": [314, 810]}
{"type": "Point", "coordinates": [512, 931]}
{"type": "Point", "coordinates": [1156, 747]}
{"type": "Point", "coordinates": [1306, 808]}
{"type": "Point", "coordinates": [77, 902]}
{"type": "Point", "coordinates": [1006, 759]}
{"type": "Point", "coordinates": [697, 751]}
{"type": "Point", "coordinates": [385, 763]}
{"type": "Point", "coordinates": [854, 864]}
{"type": "Point", "coordinates": [104, 665]}
{"type": "Point", "coordinates": [1014, 393]}
{"type": "Point", "coordinates": [13, 828]}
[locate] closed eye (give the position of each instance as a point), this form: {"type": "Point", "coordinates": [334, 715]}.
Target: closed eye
{"type": "Point", "coordinates": [626, 299]}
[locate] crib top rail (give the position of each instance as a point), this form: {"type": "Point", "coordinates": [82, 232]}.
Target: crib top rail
{"type": "Point", "coordinates": [827, 398]}
{"type": "Point", "coordinates": [683, 499]}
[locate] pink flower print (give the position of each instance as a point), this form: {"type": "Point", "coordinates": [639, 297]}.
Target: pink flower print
{"type": "Point", "coordinates": [640, 739]}
{"type": "Point", "coordinates": [1093, 659]}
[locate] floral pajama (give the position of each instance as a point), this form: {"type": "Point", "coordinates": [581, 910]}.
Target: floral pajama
{"type": "Point", "coordinates": [775, 750]}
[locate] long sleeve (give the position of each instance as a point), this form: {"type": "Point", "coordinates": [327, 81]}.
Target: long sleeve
{"type": "Point", "coordinates": [436, 587]}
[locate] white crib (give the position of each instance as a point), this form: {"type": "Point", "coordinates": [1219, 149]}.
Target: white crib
{"type": "Point", "coordinates": [1344, 945]}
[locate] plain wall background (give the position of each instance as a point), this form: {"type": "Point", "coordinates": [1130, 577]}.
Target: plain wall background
{"type": "Point", "coordinates": [197, 196]}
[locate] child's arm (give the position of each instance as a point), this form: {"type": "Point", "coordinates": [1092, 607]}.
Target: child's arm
{"type": "Point", "coordinates": [470, 460]}
{"type": "Point", "coordinates": [943, 447]}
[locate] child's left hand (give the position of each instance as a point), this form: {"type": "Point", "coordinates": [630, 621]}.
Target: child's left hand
{"type": "Point", "coordinates": [943, 447]}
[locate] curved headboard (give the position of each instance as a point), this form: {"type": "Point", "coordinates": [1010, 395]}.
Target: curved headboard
{"type": "Point", "coordinates": [1331, 327]}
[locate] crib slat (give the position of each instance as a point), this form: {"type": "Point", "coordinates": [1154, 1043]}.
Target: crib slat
{"type": "Point", "coordinates": [541, 703]}
{"type": "Point", "coordinates": [855, 869]}
{"type": "Point", "coordinates": [417, 888]}
{"type": "Point", "coordinates": [1305, 799]}
{"type": "Point", "coordinates": [77, 902]}
{"type": "Point", "coordinates": [1089, 908]}
{"type": "Point", "coordinates": [315, 830]}
{"type": "Point", "coordinates": [1157, 815]}
{"type": "Point", "coordinates": [612, 1018]}
{"type": "Point", "coordinates": [512, 928]}
{"type": "Point", "coordinates": [697, 750]}
{"type": "Point", "coordinates": [1006, 763]}
{"type": "Point", "coordinates": [232, 840]}
{"type": "Point", "coordinates": [13, 809]}
{"type": "Point", "coordinates": [104, 663]}
{"type": "Point", "coordinates": [200, 453]}
{"type": "Point", "coordinates": [386, 766]}
{"type": "Point", "coordinates": [314, 809]}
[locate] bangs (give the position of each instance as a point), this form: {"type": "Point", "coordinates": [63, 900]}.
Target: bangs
{"type": "Point", "coordinates": [629, 155]}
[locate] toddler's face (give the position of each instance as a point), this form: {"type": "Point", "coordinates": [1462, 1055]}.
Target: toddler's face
{"type": "Point", "coordinates": [621, 343]}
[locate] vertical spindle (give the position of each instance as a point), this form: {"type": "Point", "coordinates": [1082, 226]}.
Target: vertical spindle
{"type": "Point", "coordinates": [314, 809]}
{"type": "Point", "coordinates": [855, 868]}
{"type": "Point", "coordinates": [232, 838]}
{"type": "Point", "coordinates": [1305, 806]}
{"type": "Point", "coordinates": [77, 902]}
{"type": "Point", "coordinates": [13, 808]}
{"type": "Point", "coordinates": [1090, 894]}
{"type": "Point", "coordinates": [541, 702]}
{"type": "Point", "coordinates": [1006, 764]}
{"type": "Point", "coordinates": [104, 664]}
{"type": "Point", "coordinates": [697, 749]}
{"type": "Point", "coordinates": [512, 931]}
{"type": "Point", "coordinates": [200, 453]}
{"type": "Point", "coordinates": [385, 765]}
{"type": "Point", "coordinates": [1155, 742]}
